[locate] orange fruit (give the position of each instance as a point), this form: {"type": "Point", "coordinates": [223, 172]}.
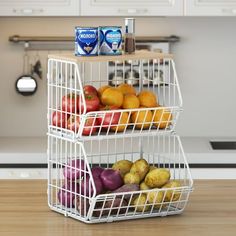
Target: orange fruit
{"type": "Point", "coordinates": [112, 97]}
{"type": "Point", "coordinates": [142, 119]}
{"type": "Point", "coordinates": [102, 89]}
{"type": "Point", "coordinates": [127, 89]}
{"type": "Point", "coordinates": [124, 121]}
{"type": "Point", "coordinates": [131, 101]}
{"type": "Point", "coordinates": [147, 99]}
{"type": "Point", "coordinates": [162, 118]}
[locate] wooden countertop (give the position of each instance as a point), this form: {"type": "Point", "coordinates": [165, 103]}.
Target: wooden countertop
{"type": "Point", "coordinates": [24, 211]}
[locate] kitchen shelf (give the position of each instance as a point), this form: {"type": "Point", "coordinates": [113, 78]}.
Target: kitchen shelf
{"type": "Point", "coordinates": [138, 55]}
{"type": "Point", "coordinates": [96, 139]}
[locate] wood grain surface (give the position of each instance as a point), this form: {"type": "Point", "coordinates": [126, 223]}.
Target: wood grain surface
{"type": "Point", "coordinates": [24, 211]}
{"type": "Point", "coordinates": [125, 57]}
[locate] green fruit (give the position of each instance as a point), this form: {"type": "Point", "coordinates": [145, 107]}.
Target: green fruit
{"type": "Point", "coordinates": [172, 195]}
{"type": "Point", "coordinates": [131, 178]}
{"type": "Point", "coordinates": [140, 167]}
{"type": "Point", "coordinates": [123, 166]}
{"type": "Point", "coordinates": [157, 178]}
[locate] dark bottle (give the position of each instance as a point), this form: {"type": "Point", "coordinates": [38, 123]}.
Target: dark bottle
{"type": "Point", "coordinates": [129, 37]}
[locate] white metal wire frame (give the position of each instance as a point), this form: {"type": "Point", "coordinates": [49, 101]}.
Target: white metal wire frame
{"type": "Point", "coordinates": [154, 74]}
{"type": "Point", "coordinates": [162, 151]}
{"type": "Point", "coordinates": [151, 139]}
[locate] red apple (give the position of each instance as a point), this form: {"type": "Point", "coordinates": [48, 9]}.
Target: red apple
{"type": "Point", "coordinates": [73, 123]}
{"type": "Point", "coordinates": [90, 90]}
{"type": "Point", "coordinates": [89, 125]}
{"type": "Point", "coordinates": [70, 103]}
{"type": "Point", "coordinates": [109, 118]}
{"type": "Point", "coordinates": [92, 103]}
{"type": "Point", "coordinates": [59, 119]}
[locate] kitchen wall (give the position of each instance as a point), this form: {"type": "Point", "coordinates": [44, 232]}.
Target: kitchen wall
{"type": "Point", "coordinates": [205, 60]}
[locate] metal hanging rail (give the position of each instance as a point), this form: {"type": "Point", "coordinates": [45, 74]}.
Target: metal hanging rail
{"type": "Point", "coordinates": [18, 39]}
{"type": "Point", "coordinates": [66, 43]}
{"type": "Point", "coordinates": [141, 39]}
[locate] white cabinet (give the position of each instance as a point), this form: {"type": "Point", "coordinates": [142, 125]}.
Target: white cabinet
{"type": "Point", "coordinates": [39, 7]}
{"type": "Point", "coordinates": [132, 7]}
{"type": "Point", "coordinates": [210, 7]}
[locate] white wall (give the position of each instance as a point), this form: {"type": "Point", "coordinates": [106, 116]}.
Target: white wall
{"type": "Point", "coordinates": [205, 60]}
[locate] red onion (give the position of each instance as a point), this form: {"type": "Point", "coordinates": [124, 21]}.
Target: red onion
{"type": "Point", "coordinates": [86, 186]}
{"type": "Point", "coordinates": [96, 171]}
{"type": "Point", "coordinates": [74, 169]}
{"type": "Point", "coordinates": [111, 179]}
{"type": "Point", "coordinates": [66, 195]}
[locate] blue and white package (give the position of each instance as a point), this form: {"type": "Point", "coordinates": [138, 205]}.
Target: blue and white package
{"type": "Point", "coordinates": [86, 41]}
{"type": "Point", "coordinates": [110, 40]}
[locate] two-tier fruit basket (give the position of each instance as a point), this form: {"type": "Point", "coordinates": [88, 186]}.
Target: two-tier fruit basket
{"type": "Point", "coordinates": [108, 159]}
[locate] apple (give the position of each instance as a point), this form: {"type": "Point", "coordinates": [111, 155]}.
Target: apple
{"type": "Point", "coordinates": [109, 118]}
{"type": "Point", "coordinates": [92, 103]}
{"type": "Point", "coordinates": [59, 119]}
{"type": "Point", "coordinates": [70, 103]}
{"type": "Point", "coordinates": [90, 90]}
{"type": "Point", "coordinates": [90, 125]}
{"type": "Point", "coordinates": [73, 123]}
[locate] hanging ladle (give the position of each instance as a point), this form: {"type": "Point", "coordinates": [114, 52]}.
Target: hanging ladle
{"type": "Point", "coordinates": [26, 84]}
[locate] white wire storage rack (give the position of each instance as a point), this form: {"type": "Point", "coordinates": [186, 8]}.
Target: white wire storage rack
{"type": "Point", "coordinates": [147, 71]}
{"type": "Point", "coordinates": [161, 151]}
{"type": "Point", "coordinates": [73, 153]}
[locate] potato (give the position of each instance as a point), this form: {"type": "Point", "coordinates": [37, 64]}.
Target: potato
{"type": "Point", "coordinates": [155, 197]}
{"type": "Point", "coordinates": [127, 188]}
{"type": "Point", "coordinates": [117, 203]}
{"type": "Point", "coordinates": [143, 186]}
{"type": "Point", "coordinates": [97, 209]}
{"type": "Point", "coordinates": [170, 194]}
{"type": "Point", "coordinates": [152, 168]}
{"type": "Point", "coordinates": [82, 205]}
{"type": "Point", "coordinates": [140, 203]}
{"type": "Point", "coordinates": [123, 166]}
{"type": "Point", "coordinates": [157, 178]}
{"type": "Point", "coordinates": [131, 178]}
{"type": "Point", "coordinates": [140, 167]}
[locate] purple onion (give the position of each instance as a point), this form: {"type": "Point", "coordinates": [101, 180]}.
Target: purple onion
{"type": "Point", "coordinates": [111, 179]}
{"type": "Point", "coordinates": [86, 186]}
{"type": "Point", "coordinates": [66, 195]}
{"type": "Point", "coordinates": [96, 171]}
{"type": "Point", "coordinates": [74, 169]}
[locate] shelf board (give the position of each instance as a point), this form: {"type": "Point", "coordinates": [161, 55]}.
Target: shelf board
{"type": "Point", "coordinates": [124, 57]}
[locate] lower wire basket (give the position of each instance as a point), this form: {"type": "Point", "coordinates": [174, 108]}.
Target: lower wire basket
{"type": "Point", "coordinates": [162, 189]}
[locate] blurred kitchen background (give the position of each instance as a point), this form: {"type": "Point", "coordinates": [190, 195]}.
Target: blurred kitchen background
{"type": "Point", "coordinates": [205, 61]}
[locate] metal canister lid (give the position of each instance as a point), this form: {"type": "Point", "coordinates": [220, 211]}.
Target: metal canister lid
{"type": "Point", "coordinates": [129, 25]}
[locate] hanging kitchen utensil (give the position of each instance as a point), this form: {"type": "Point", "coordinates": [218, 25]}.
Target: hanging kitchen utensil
{"type": "Point", "coordinates": [37, 68]}
{"type": "Point", "coordinates": [26, 84]}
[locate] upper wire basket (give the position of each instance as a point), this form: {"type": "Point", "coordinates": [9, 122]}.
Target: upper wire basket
{"type": "Point", "coordinates": [147, 73]}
